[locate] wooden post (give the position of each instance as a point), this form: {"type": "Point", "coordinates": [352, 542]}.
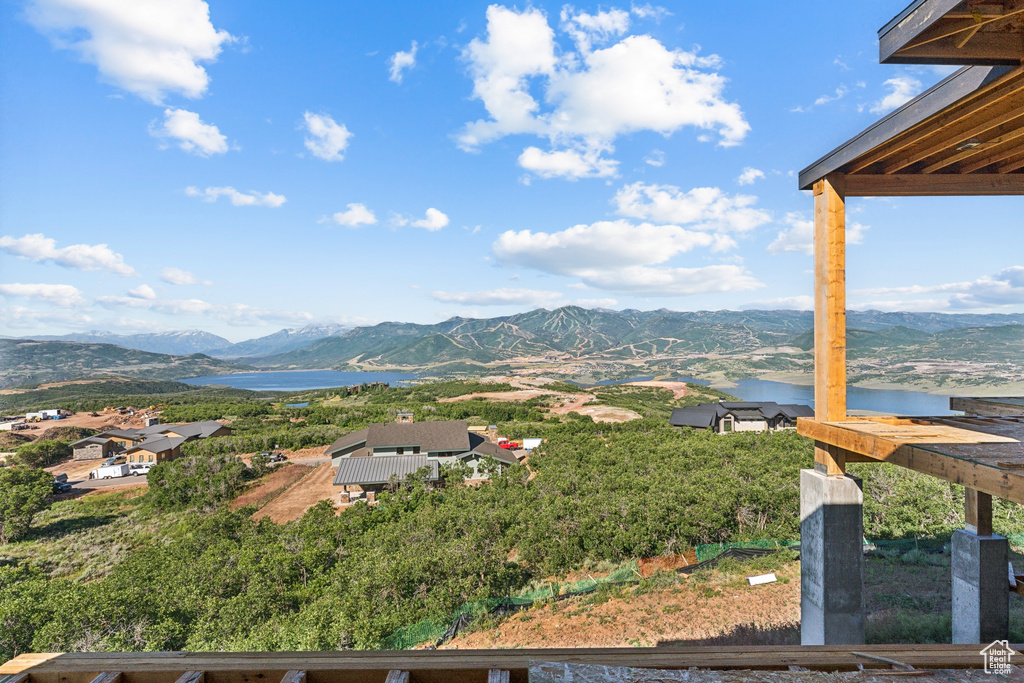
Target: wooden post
{"type": "Point", "coordinates": [829, 315]}
{"type": "Point", "coordinates": [978, 512]}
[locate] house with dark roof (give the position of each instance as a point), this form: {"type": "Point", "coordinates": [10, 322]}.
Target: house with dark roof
{"type": "Point", "coordinates": [740, 416]}
{"type": "Point", "coordinates": [156, 443]}
{"type": "Point", "coordinates": [370, 459]}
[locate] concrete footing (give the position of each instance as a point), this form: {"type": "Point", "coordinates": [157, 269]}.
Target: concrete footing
{"type": "Point", "coordinates": [831, 559]}
{"type": "Point", "coordinates": [981, 597]}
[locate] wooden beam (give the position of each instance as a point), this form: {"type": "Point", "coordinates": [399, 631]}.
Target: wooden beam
{"type": "Point", "coordinates": [978, 512]}
{"type": "Point", "coordinates": [947, 32]}
{"type": "Point", "coordinates": [396, 676]}
{"type": "Point", "coordinates": [192, 677]}
{"type": "Point", "coordinates": [830, 312]}
{"type": "Point", "coordinates": [108, 677]}
{"type": "Point", "coordinates": [994, 481]}
{"type": "Point", "coordinates": [498, 676]}
{"type": "Point", "coordinates": [994, 156]}
{"type": "Point", "coordinates": [951, 137]}
{"type": "Point", "coordinates": [294, 676]}
{"type": "Point", "coordinates": [983, 146]}
{"type": "Point", "coordinates": [1009, 85]}
{"type": "Point", "coordinates": [935, 185]}
{"type": "Point", "coordinates": [1011, 165]}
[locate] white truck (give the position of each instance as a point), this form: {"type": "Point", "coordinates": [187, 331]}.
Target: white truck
{"type": "Point", "coordinates": [110, 471]}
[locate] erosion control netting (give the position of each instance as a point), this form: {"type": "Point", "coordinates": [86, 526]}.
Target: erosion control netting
{"type": "Point", "coordinates": [708, 556]}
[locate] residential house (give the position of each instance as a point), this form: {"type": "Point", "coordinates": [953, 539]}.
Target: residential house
{"type": "Point", "coordinates": [371, 458]}
{"type": "Point", "coordinates": [740, 416]}
{"type": "Point", "coordinates": [155, 443]}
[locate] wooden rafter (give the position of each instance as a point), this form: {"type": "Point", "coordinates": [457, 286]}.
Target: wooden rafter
{"type": "Point", "coordinates": [995, 156]}
{"type": "Point", "coordinates": [974, 26]}
{"type": "Point", "coordinates": [952, 136]}
{"type": "Point", "coordinates": [1009, 85]}
{"type": "Point", "coordinates": [980, 149]}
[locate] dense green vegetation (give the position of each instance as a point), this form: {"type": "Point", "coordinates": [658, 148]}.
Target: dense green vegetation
{"type": "Point", "coordinates": [178, 568]}
{"type": "Point", "coordinates": [24, 493]}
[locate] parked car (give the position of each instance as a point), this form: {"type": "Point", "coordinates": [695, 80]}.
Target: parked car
{"type": "Point", "coordinates": [60, 483]}
{"type": "Point", "coordinates": [273, 456]}
{"type": "Point", "coordinates": [113, 460]}
{"type": "Point", "coordinates": [143, 468]}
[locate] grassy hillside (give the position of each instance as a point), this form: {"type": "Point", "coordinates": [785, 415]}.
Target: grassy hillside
{"type": "Point", "coordinates": [29, 362]}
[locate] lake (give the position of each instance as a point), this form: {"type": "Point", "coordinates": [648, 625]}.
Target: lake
{"type": "Point", "coordinates": [891, 401]}
{"type": "Point", "coordinates": [299, 380]}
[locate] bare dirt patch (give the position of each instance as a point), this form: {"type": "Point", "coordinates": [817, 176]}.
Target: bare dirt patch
{"type": "Point", "coordinates": [678, 389]}
{"type": "Point", "coordinates": [608, 414]}
{"type": "Point", "coordinates": [315, 486]}
{"type": "Point", "coordinates": [102, 421]}
{"type": "Point", "coordinates": [270, 485]}
{"type": "Point", "coordinates": [693, 610]}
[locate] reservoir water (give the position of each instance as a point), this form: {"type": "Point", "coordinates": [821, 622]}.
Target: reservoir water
{"type": "Point", "coordinates": [890, 401]}
{"type": "Point", "coordinates": [299, 380]}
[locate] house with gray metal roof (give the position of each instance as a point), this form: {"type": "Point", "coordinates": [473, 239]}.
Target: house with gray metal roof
{"type": "Point", "coordinates": [369, 459]}
{"type": "Point", "coordinates": [155, 443]}
{"type": "Point", "coordinates": [740, 416]}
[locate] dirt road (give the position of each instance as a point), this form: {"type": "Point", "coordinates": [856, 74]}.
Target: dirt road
{"type": "Point", "coordinates": [305, 493]}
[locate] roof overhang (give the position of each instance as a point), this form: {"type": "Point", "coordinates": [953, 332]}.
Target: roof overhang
{"type": "Point", "coordinates": [963, 136]}
{"type": "Point", "coordinates": [972, 32]}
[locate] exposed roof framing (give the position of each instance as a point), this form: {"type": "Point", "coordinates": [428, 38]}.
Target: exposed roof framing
{"type": "Point", "coordinates": [963, 136]}
{"type": "Point", "coordinates": [982, 32]}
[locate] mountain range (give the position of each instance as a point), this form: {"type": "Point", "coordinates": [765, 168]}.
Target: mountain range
{"type": "Point", "coordinates": [186, 342]}
{"type": "Point", "coordinates": [560, 335]}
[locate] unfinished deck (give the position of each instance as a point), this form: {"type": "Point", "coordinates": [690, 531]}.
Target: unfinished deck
{"type": "Point", "coordinates": [982, 453]}
{"type": "Point", "coordinates": [471, 666]}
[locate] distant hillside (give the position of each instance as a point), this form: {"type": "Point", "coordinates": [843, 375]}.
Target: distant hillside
{"type": "Point", "coordinates": [977, 344]}
{"type": "Point", "coordinates": [623, 335]}
{"type": "Point", "coordinates": [174, 343]}
{"type": "Point", "coordinates": [281, 341]}
{"type": "Point", "coordinates": [28, 362]}
{"type": "Point", "coordinates": [570, 330]}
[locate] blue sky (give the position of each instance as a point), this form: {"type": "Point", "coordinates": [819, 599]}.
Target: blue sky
{"type": "Point", "coordinates": [240, 167]}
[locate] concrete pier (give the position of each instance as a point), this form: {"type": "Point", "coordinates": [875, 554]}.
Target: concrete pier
{"type": "Point", "coordinates": [831, 559]}
{"type": "Point", "coordinates": [981, 596]}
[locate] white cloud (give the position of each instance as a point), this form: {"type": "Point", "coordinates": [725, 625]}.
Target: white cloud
{"type": "Point", "coordinates": [587, 29]}
{"type": "Point", "coordinates": [60, 295]}
{"type": "Point", "coordinates": [251, 198]}
{"type": "Point", "coordinates": [656, 158]}
{"type": "Point", "coordinates": [1005, 288]}
{"type": "Point", "coordinates": [177, 276]}
{"type": "Point", "coordinates": [570, 164]}
{"type": "Point", "coordinates": [787, 303]}
{"type": "Point", "coordinates": [498, 297]}
{"type": "Point", "coordinates": [28, 318]}
{"type": "Point", "coordinates": [703, 208]}
{"type": "Point", "coordinates": [597, 303]}
{"type": "Point", "coordinates": [327, 139]}
{"type": "Point", "coordinates": [148, 47]}
{"type": "Point", "coordinates": [605, 244]}
{"type": "Point", "coordinates": [434, 220]}
{"type": "Point", "coordinates": [902, 89]}
{"type": "Point", "coordinates": [749, 175]}
{"type": "Point", "coordinates": [646, 281]}
{"type": "Point", "coordinates": [232, 314]}
{"type": "Point", "coordinates": [800, 235]}
{"type": "Point", "coordinates": [37, 247]}
{"type": "Point", "coordinates": [193, 135]}
{"type": "Point", "coordinates": [356, 215]}
{"type": "Point", "coordinates": [593, 96]}
{"type": "Point", "coordinates": [402, 61]}
{"type": "Point", "coordinates": [649, 11]}
{"type": "Point", "coordinates": [142, 292]}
